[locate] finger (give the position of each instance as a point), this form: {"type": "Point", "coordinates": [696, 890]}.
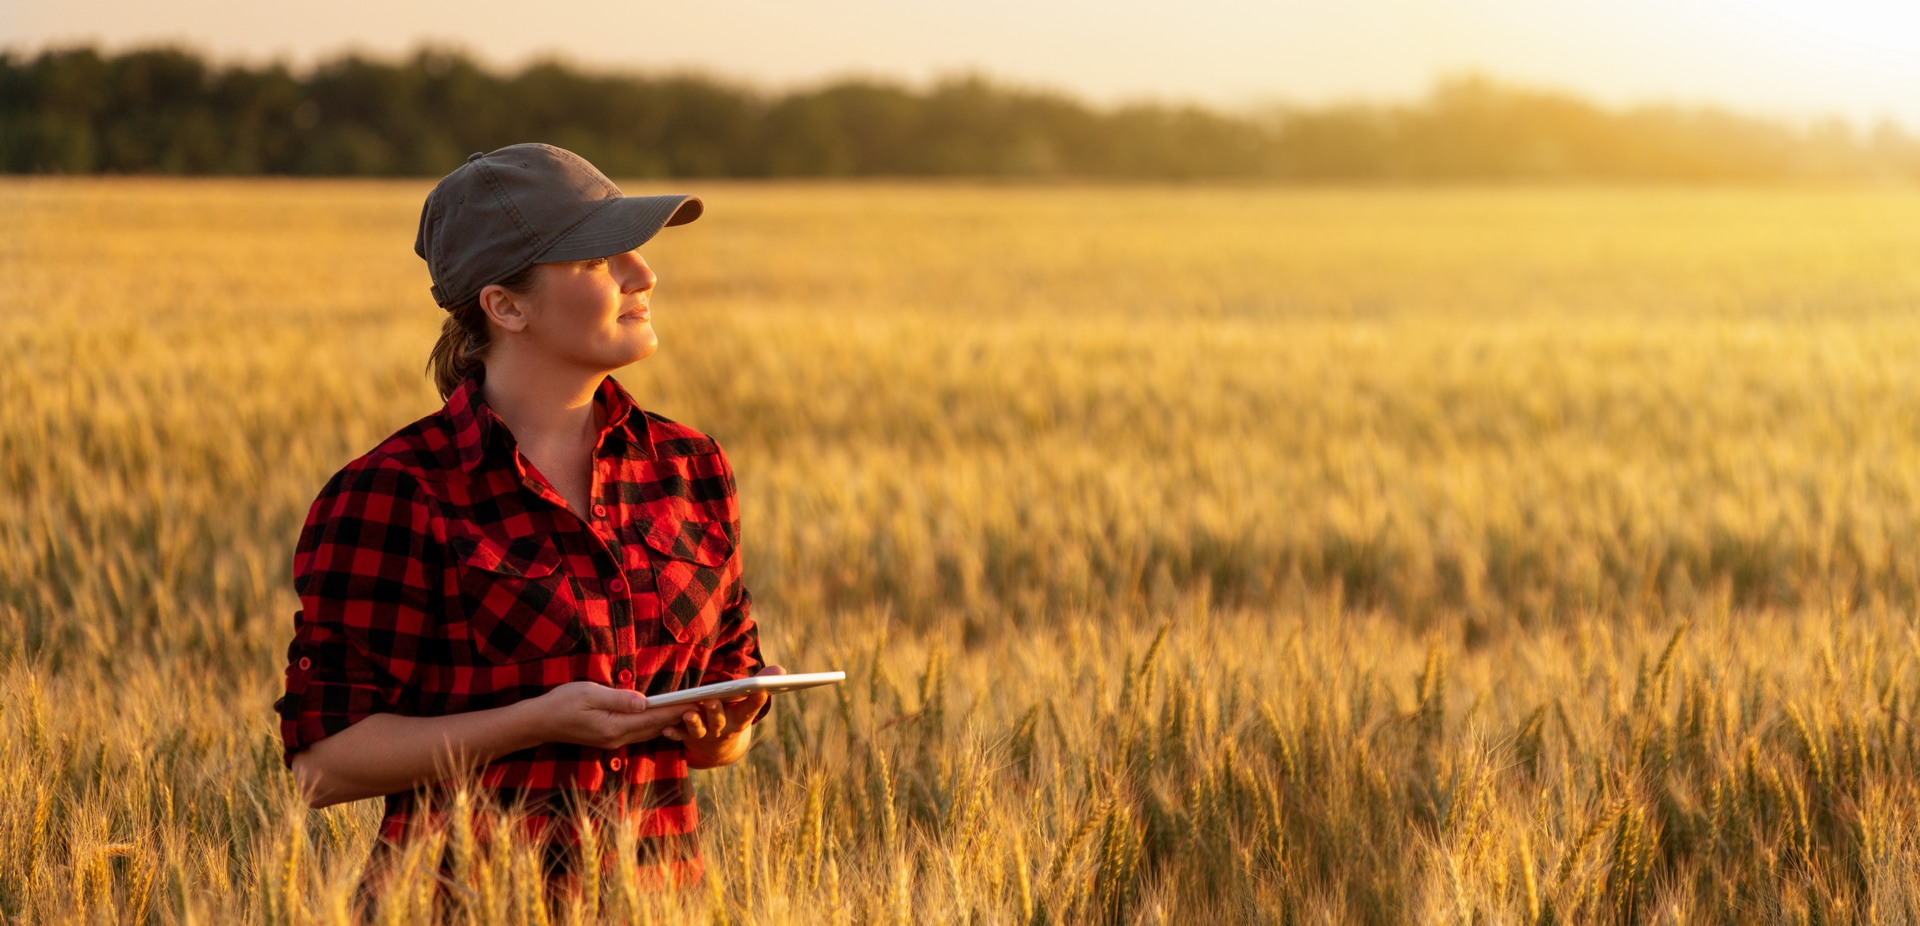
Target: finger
{"type": "Point", "coordinates": [617, 699]}
{"type": "Point", "coordinates": [717, 720]}
{"type": "Point", "coordinates": [742, 710]}
{"type": "Point", "coordinates": [695, 727]}
{"type": "Point", "coordinates": [673, 733]}
{"type": "Point", "coordinates": [769, 670]}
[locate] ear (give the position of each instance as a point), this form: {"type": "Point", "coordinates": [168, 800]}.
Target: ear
{"type": "Point", "coordinates": [502, 306]}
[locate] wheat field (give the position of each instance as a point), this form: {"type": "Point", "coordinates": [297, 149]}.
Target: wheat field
{"type": "Point", "coordinates": [1196, 554]}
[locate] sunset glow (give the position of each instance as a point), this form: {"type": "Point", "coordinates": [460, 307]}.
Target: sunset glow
{"type": "Point", "coordinates": [1858, 58]}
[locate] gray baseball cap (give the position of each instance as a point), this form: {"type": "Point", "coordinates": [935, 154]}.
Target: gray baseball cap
{"type": "Point", "coordinates": [531, 203]}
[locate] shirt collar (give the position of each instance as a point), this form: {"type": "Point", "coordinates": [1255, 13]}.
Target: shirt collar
{"type": "Point", "coordinates": [474, 422]}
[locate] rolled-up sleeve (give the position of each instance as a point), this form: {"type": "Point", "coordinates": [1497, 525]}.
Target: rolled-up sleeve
{"type": "Point", "coordinates": [736, 654]}
{"type": "Point", "coordinates": [363, 573]}
{"type": "Point", "coordinates": [736, 648]}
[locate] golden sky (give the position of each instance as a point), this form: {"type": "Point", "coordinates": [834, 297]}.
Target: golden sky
{"type": "Point", "coordinates": [1857, 58]}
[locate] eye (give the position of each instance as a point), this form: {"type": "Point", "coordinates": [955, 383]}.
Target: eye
{"type": "Point", "coordinates": [597, 262]}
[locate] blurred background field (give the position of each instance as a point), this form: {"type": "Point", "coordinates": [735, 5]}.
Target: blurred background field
{"type": "Point", "coordinates": [1196, 553]}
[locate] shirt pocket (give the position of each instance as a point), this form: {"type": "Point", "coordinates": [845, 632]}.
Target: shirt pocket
{"type": "Point", "coordinates": [691, 558]}
{"type": "Point", "coordinates": [519, 604]}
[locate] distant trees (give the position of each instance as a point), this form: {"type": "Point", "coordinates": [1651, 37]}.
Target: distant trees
{"type": "Point", "coordinates": [165, 110]}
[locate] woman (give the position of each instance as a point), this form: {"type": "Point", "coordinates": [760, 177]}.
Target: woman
{"type": "Point", "coordinates": [497, 585]}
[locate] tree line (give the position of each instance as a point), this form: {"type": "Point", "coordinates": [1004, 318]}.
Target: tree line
{"type": "Point", "coordinates": [167, 110]}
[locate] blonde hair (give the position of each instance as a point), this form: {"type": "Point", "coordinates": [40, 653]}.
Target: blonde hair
{"type": "Point", "coordinates": [465, 337]}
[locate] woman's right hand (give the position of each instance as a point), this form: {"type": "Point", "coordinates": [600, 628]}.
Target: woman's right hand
{"type": "Point", "coordinates": [592, 714]}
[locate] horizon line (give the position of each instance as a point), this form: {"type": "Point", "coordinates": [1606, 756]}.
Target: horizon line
{"type": "Point", "coordinates": [1276, 101]}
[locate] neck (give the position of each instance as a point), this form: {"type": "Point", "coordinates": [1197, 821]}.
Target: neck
{"type": "Point", "coordinates": [544, 406]}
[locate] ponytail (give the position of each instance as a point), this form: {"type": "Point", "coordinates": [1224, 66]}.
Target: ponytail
{"type": "Point", "coordinates": [465, 337]}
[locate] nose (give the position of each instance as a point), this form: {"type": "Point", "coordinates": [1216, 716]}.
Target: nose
{"type": "Point", "coordinates": [632, 272]}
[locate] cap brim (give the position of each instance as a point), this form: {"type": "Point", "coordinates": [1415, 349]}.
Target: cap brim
{"type": "Point", "coordinates": [622, 225]}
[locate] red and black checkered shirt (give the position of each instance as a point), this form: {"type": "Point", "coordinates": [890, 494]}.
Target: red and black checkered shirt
{"type": "Point", "coordinates": [439, 573]}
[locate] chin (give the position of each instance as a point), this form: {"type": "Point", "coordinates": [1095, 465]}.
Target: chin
{"type": "Point", "coordinates": [613, 357]}
{"type": "Point", "coordinates": [644, 349]}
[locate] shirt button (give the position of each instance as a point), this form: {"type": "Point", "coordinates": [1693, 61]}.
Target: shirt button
{"type": "Point", "coordinates": [617, 586]}
{"type": "Point", "coordinates": [615, 763]}
{"type": "Point", "coordinates": [626, 676]}
{"type": "Point", "coordinates": [305, 663]}
{"type": "Point", "coordinates": [599, 511]}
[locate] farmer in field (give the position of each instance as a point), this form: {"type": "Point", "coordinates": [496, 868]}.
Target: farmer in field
{"type": "Point", "coordinates": [495, 587]}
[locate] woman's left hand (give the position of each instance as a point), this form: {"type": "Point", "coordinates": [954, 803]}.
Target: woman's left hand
{"type": "Point", "coordinates": [714, 732]}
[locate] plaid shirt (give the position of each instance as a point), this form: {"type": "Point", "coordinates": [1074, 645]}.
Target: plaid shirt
{"type": "Point", "coordinates": [439, 574]}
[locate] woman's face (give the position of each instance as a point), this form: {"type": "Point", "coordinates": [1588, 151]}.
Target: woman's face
{"type": "Point", "coordinates": [593, 313]}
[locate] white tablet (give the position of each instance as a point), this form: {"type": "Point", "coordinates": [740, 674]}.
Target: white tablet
{"type": "Point", "coordinates": [742, 686]}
